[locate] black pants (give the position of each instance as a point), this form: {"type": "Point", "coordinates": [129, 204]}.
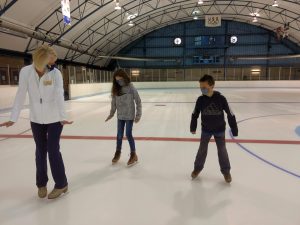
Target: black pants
{"type": "Point", "coordinates": [222, 151]}
{"type": "Point", "coordinates": [47, 137]}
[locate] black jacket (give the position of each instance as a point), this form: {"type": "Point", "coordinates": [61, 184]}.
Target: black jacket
{"type": "Point", "coordinates": [212, 114]}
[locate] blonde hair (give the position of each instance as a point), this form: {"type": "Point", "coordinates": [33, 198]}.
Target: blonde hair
{"type": "Point", "coordinates": [53, 52]}
{"type": "Point", "coordinates": [41, 55]}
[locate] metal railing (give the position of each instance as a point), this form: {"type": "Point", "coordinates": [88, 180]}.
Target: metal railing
{"type": "Point", "coordinates": [79, 75]}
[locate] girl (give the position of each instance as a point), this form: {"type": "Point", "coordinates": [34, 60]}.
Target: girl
{"type": "Point", "coordinates": [47, 116]}
{"type": "Point", "coordinates": [124, 98]}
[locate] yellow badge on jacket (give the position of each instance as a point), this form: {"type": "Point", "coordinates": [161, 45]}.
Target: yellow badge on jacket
{"type": "Point", "coordinates": [47, 82]}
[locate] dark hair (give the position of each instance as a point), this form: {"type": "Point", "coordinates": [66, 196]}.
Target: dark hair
{"type": "Point", "coordinates": [116, 88]}
{"type": "Point", "coordinates": [209, 79]}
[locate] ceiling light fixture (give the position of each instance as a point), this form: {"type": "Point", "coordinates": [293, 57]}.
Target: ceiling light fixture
{"type": "Point", "coordinates": [131, 16]}
{"type": "Point", "coordinates": [131, 24]}
{"type": "Point", "coordinates": [275, 4]}
{"type": "Point", "coordinates": [117, 7]}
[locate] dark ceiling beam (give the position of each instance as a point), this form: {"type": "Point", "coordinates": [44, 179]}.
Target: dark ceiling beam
{"type": "Point", "coordinates": [7, 6]}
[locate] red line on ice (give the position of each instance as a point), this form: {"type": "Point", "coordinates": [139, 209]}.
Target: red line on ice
{"type": "Point", "coordinates": [174, 139]}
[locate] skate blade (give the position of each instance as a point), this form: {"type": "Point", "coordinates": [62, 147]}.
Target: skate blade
{"type": "Point", "coordinates": [133, 164]}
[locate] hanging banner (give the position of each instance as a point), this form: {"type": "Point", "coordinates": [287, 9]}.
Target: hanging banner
{"type": "Point", "coordinates": [213, 20]}
{"type": "Point", "coordinates": [65, 8]}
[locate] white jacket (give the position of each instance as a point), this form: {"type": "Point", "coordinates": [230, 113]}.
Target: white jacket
{"type": "Point", "coordinates": [46, 96]}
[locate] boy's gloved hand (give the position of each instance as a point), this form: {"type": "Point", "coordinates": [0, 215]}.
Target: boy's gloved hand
{"type": "Point", "coordinates": [234, 132]}
{"type": "Point", "coordinates": [193, 132]}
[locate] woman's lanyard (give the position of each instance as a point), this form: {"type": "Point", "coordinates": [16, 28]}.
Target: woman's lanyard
{"type": "Point", "coordinates": [38, 84]}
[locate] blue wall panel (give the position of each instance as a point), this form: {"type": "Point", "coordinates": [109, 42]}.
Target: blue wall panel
{"type": "Point", "coordinates": [200, 41]}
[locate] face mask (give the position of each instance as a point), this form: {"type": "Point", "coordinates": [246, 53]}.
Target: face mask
{"type": "Point", "coordinates": [121, 82]}
{"type": "Point", "coordinates": [50, 67]}
{"type": "Point", "coordinates": [204, 91]}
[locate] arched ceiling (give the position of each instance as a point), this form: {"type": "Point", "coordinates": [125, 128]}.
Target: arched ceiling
{"type": "Point", "coordinates": [97, 28]}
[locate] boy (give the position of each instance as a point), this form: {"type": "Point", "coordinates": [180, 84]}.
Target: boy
{"type": "Point", "coordinates": [212, 105]}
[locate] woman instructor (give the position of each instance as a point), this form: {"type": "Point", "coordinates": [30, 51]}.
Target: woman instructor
{"type": "Point", "coordinates": [47, 116]}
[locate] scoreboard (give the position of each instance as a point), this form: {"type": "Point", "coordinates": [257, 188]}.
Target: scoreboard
{"type": "Point", "coordinates": [209, 41]}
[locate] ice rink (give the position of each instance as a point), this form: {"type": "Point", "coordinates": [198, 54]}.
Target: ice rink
{"type": "Point", "coordinates": [158, 190]}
